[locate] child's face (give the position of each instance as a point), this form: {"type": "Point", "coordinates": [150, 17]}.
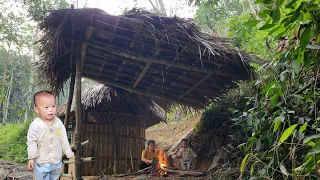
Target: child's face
{"type": "Point", "coordinates": [184, 144]}
{"type": "Point", "coordinates": [151, 146]}
{"type": "Point", "coordinates": [46, 107]}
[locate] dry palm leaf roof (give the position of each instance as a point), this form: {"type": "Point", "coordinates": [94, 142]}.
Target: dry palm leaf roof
{"type": "Point", "coordinates": [103, 100]}
{"type": "Point", "coordinates": [160, 57]}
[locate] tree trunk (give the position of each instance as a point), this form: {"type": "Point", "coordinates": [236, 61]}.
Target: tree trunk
{"type": "Point", "coordinates": [6, 102]}
{"type": "Point", "coordinates": [3, 89]}
{"type": "Point", "coordinates": [161, 10]}
{"type": "Point", "coordinates": [253, 10]}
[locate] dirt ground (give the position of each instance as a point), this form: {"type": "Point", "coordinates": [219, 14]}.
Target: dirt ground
{"type": "Point", "coordinates": [170, 177]}
{"type": "Point", "coordinates": [166, 135]}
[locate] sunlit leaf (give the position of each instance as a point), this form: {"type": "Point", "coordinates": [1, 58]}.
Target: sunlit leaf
{"type": "Point", "coordinates": [309, 138]}
{"type": "Point", "coordinates": [287, 133]}
{"type": "Point", "coordinates": [303, 127]}
{"type": "Point", "coordinates": [252, 23]}
{"type": "Point", "coordinates": [276, 126]}
{"type": "Point", "coordinates": [290, 4]}
{"type": "Point", "coordinates": [243, 163]}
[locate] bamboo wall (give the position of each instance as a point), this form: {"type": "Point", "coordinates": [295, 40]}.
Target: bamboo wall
{"type": "Point", "coordinates": [115, 145]}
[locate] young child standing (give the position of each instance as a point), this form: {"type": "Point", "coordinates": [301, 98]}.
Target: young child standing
{"type": "Point", "coordinates": [47, 139]}
{"type": "Point", "coordinates": [186, 154]}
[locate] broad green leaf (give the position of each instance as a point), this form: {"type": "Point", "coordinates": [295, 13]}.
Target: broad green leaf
{"type": "Point", "coordinates": [248, 147]}
{"type": "Point", "coordinates": [314, 150]}
{"type": "Point", "coordinates": [276, 125]}
{"type": "Point", "coordinates": [263, 14]}
{"type": "Point", "coordinates": [252, 138]}
{"type": "Point", "coordinates": [290, 4]}
{"type": "Point", "coordinates": [280, 2]}
{"type": "Point", "coordinates": [305, 38]}
{"type": "Point", "coordinates": [266, 26]}
{"type": "Point", "coordinates": [294, 17]}
{"type": "Point", "coordinates": [287, 133]}
{"type": "Point", "coordinates": [277, 122]}
{"type": "Point", "coordinates": [303, 127]}
{"type": "Point", "coordinates": [258, 1]}
{"type": "Point", "coordinates": [243, 163]}
{"type": "Point", "coordinates": [268, 87]}
{"type": "Point", "coordinates": [283, 170]}
{"type": "Point", "coordinates": [311, 143]}
{"type": "Point", "coordinates": [309, 138]}
{"type": "Point", "coordinates": [252, 23]}
{"type": "Point", "coordinates": [274, 100]}
{"type": "Point", "coordinates": [306, 59]}
{"type": "Point", "coordinates": [274, 30]}
{"type": "Point", "coordinates": [276, 15]}
{"type": "Point", "coordinates": [276, 38]}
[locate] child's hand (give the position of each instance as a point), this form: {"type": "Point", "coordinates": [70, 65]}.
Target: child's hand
{"type": "Point", "coordinates": [30, 164]}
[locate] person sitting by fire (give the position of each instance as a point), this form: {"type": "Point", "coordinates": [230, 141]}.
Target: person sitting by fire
{"type": "Point", "coordinates": [186, 154]}
{"type": "Point", "coordinates": [148, 154]}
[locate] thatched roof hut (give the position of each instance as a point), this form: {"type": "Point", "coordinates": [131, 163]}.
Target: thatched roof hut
{"type": "Point", "coordinates": [159, 57]}
{"type": "Point", "coordinates": [115, 122]}
{"type": "Point", "coordinates": [103, 101]}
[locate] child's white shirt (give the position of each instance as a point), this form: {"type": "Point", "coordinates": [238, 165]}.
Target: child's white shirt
{"type": "Point", "coordinates": [186, 154]}
{"type": "Point", "coordinates": [47, 144]}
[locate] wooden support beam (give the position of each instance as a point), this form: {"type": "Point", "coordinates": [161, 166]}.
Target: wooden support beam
{"type": "Point", "coordinates": [68, 109]}
{"type": "Point", "coordinates": [130, 89]}
{"type": "Point", "coordinates": [78, 112]}
{"type": "Point", "coordinates": [145, 69]}
{"type": "Point", "coordinates": [84, 46]}
{"type": "Point", "coordinates": [140, 57]}
{"type": "Point", "coordinates": [195, 85]}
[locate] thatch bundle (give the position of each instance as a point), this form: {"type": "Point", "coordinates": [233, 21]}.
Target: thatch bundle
{"type": "Point", "coordinates": [160, 57]}
{"type": "Point", "coordinates": [100, 99]}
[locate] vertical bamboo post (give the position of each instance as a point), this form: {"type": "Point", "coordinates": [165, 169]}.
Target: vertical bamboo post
{"type": "Point", "coordinates": [78, 129]}
{"type": "Point", "coordinates": [68, 109]}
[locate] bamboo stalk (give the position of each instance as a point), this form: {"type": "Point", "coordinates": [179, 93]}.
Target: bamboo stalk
{"type": "Point", "coordinates": [195, 85]}
{"type": "Point", "coordinates": [145, 69]}
{"type": "Point", "coordinates": [129, 88]}
{"type": "Point", "coordinates": [71, 91]}
{"type": "Point", "coordinates": [78, 130]}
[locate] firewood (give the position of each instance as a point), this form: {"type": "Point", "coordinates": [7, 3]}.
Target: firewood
{"type": "Point", "coordinates": [184, 172]}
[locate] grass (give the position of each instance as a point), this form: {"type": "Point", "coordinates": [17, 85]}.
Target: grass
{"type": "Point", "coordinates": [13, 146]}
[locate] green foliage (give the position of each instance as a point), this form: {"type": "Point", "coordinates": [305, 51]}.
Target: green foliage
{"type": "Point", "coordinates": [13, 142]}
{"type": "Point", "coordinates": [281, 124]}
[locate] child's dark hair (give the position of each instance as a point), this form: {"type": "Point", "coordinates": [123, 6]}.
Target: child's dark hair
{"type": "Point", "coordinates": [41, 93]}
{"type": "Point", "coordinates": [151, 142]}
{"type": "Point", "coordinates": [185, 140]}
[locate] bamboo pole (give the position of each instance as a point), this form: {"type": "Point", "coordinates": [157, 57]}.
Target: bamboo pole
{"type": "Point", "coordinates": [68, 109]}
{"type": "Point", "coordinates": [145, 69]}
{"type": "Point", "coordinates": [78, 129]}
{"type": "Point", "coordinates": [130, 89]}
{"type": "Point", "coordinates": [195, 85]}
